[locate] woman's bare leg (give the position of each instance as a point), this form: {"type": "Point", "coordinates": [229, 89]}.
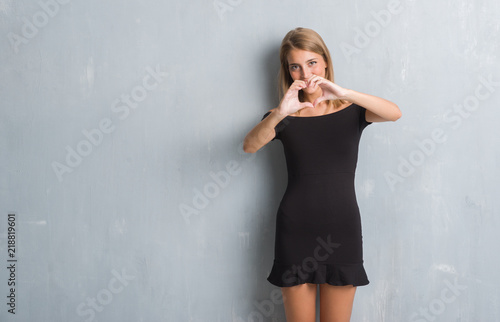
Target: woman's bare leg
{"type": "Point", "coordinates": [336, 302]}
{"type": "Point", "coordinates": [300, 302]}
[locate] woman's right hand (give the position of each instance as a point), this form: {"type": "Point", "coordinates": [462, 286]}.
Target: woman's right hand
{"type": "Point", "coordinates": [290, 102]}
{"type": "Point", "coordinates": [264, 132]}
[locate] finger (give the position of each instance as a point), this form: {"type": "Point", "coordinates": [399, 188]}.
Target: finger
{"type": "Point", "coordinates": [306, 104]}
{"type": "Point", "coordinates": [313, 86]}
{"type": "Point", "coordinates": [310, 80]}
{"type": "Point", "coordinates": [318, 80]}
{"type": "Point", "coordinates": [299, 81]}
{"type": "Point", "coordinates": [294, 88]}
{"type": "Point", "coordinates": [302, 84]}
{"type": "Point", "coordinates": [297, 85]}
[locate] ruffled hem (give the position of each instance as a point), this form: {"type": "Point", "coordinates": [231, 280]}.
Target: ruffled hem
{"type": "Point", "coordinates": [285, 275]}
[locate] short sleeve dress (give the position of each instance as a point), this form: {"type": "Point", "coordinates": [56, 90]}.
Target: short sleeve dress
{"type": "Point", "coordinates": [318, 227]}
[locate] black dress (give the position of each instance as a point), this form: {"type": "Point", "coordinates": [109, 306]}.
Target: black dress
{"type": "Point", "coordinates": [318, 227]}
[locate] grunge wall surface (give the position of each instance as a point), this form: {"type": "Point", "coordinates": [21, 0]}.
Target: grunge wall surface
{"type": "Point", "coordinates": [125, 194]}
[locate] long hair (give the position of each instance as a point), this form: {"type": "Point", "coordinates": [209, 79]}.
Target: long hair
{"type": "Point", "coordinates": [303, 39]}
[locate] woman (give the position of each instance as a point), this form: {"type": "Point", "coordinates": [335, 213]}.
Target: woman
{"type": "Point", "coordinates": [318, 227]}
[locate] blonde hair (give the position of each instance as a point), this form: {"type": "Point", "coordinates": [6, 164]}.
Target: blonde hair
{"type": "Point", "coordinates": [303, 39]}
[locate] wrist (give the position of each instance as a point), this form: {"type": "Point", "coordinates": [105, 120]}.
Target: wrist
{"type": "Point", "coordinates": [348, 95]}
{"type": "Point", "coordinates": [278, 114]}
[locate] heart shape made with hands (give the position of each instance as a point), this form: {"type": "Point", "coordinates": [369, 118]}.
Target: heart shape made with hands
{"type": "Point", "coordinates": [329, 90]}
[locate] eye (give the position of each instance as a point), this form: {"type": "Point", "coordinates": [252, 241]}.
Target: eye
{"type": "Point", "coordinates": [312, 63]}
{"type": "Point", "coordinates": [293, 67]}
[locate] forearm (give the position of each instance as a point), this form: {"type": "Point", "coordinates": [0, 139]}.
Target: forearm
{"type": "Point", "coordinates": [377, 105]}
{"type": "Point", "coordinates": [262, 133]}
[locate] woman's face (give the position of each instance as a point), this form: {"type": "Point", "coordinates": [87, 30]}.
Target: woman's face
{"type": "Point", "coordinates": [302, 64]}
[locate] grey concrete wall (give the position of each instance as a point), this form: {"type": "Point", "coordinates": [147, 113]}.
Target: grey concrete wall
{"type": "Point", "coordinates": [121, 131]}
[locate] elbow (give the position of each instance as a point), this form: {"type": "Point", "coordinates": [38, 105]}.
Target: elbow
{"type": "Point", "coordinates": [247, 148]}
{"type": "Point", "coordinates": [397, 115]}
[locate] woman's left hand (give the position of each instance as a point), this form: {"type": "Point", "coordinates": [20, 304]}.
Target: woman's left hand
{"type": "Point", "coordinates": [331, 91]}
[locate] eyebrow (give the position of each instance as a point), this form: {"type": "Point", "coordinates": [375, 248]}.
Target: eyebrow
{"type": "Point", "coordinates": [306, 61]}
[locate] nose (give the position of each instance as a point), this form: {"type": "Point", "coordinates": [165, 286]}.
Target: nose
{"type": "Point", "coordinates": [305, 73]}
